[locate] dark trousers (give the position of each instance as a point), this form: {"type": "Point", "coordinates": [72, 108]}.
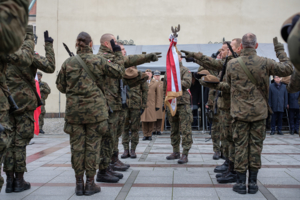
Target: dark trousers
{"type": "Point", "coordinates": [276, 116]}
{"type": "Point", "coordinates": [294, 118]}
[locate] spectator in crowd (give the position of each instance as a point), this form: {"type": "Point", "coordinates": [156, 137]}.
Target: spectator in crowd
{"type": "Point", "coordinates": [294, 117]}
{"type": "Point", "coordinates": [278, 100]}
{"type": "Point", "coordinates": [159, 113]}
{"type": "Point", "coordinates": [196, 99]}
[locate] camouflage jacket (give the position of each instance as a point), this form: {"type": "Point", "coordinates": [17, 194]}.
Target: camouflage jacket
{"type": "Point", "coordinates": [214, 64]}
{"type": "Point", "coordinates": [247, 103]}
{"type": "Point", "coordinates": [212, 92]}
{"type": "Point", "coordinates": [112, 85]}
{"type": "Point", "coordinates": [45, 91]}
{"type": "Point", "coordinates": [186, 82]}
{"type": "Point", "coordinates": [86, 102]}
{"type": "Point", "coordinates": [21, 92]}
{"type": "Point", "coordinates": [13, 22]}
{"type": "Point", "coordinates": [137, 96]}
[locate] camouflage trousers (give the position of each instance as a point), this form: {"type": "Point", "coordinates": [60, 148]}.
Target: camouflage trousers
{"type": "Point", "coordinates": [22, 133]}
{"type": "Point", "coordinates": [86, 145]}
{"type": "Point", "coordinates": [5, 140]}
{"type": "Point", "coordinates": [227, 140]}
{"type": "Point", "coordinates": [248, 138]}
{"type": "Point", "coordinates": [116, 124]}
{"type": "Point", "coordinates": [132, 122]}
{"type": "Point", "coordinates": [41, 118]}
{"type": "Point", "coordinates": [215, 131]}
{"type": "Point", "coordinates": [181, 121]}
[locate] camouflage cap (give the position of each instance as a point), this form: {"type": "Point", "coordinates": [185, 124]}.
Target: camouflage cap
{"type": "Point", "coordinates": [157, 73]}
{"type": "Point", "coordinates": [131, 73]}
{"type": "Point", "coordinates": [210, 79]}
{"type": "Point", "coordinates": [39, 73]}
{"type": "Point", "coordinates": [148, 70]}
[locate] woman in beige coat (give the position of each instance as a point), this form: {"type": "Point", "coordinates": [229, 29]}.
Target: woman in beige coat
{"type": "Point", "coordinates": [148, 118]}
{"type": "Point", "coordinates": [159, 113]}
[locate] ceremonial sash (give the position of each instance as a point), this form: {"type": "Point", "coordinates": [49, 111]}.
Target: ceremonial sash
{"type": "Point", "coordinates": [174, 89]}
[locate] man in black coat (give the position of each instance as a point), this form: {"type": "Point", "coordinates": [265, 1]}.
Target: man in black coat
{"type": "Point", "coordinates": [294, 115]}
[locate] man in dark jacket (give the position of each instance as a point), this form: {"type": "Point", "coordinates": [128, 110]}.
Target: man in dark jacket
{"type": "Point", "coordinates": [294, 116]}
{"type": "Point", "coordinates": [278, 100]}
{"type": "Point", "coordinates": [196, 98]}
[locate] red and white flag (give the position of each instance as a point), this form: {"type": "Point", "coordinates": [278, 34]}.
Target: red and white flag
{"type": "Point", "coordinates": [174, 89]}
{"type": "Point", "coordinates": [38, 110]}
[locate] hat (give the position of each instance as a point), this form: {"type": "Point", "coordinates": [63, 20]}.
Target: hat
{"type": "Point", "coordinates": [210, 79]}
{"type": "Point", "coordinates": [286, 80]}
{"type": "Point", "coordinates": [148, 70]}
{"type": "Point", "coordinates": [285, 26]}
{"type": "Point", "coordinates": [204, 73]}
{"type": "Point", "coordinates": [131, 73]}
{"type": "Point", "coordinates": [39, 73]}
{"type": "Point", "coordinates": [156, 73]}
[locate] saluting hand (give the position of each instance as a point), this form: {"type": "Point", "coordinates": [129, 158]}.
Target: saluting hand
{"type": "Point", "coordinates": [47, 38]}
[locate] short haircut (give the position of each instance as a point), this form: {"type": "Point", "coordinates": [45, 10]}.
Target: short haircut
{"type": "Point", "coordinates": [106, 37]}
{"type": "Point", "coordinates": [238, 41]}
{"type": "Point", "coordinates": [249, 40]}
{"type": "Point", "coordinates": [120, 43]}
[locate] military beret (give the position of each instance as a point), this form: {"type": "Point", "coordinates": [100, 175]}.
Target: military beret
{"type": "Point", "coordinates": [156, 73]}
{"type": "Point", "coordinates": [210, 79]}
{"type": "Point", "coordinates": [131, 73]}
{"type": "Point", "coordinates": [39, 73]}
{"type": "Point", "coordinates": [285, 27]}
{"type": "Point", "coordinates": [148, 70]}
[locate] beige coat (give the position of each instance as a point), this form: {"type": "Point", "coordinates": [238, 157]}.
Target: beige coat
{"type": "Point", "coordinates": [149, 114]}
{"type": "Point", "coordinates": [159, 113]}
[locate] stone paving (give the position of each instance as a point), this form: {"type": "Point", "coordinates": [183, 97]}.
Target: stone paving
{"type": "Point", "coordinates": [152, 177]}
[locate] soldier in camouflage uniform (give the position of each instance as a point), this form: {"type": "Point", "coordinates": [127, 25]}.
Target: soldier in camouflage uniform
{"type": "Point", "coordinates": [216, 121]}
{"type": "Point", "coordinates": [24, 57]}
{"type": "Point", "coordinates": [249, 106]}
{"type": "Point", "coordinates": [113, 96]}
{"type": "Point", "coordinates": [86, 123]}
{"type": "Point", "coordinates": [182, 120]}
{"type": "Point", "coordinates": [21, 82]}
{"type": "Point", "coordinates": [227, 169]}
{"type": "Point", "coordinates": [13, 22]}
{"type": "Point", "coordinates": [45, 91]}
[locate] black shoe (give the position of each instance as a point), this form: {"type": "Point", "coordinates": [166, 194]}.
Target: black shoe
{"type": "Point", "coordinates": [279, 133]}
{"type": "Point", "coordinates": [173, 156]}
{"type": "Point", "coordinates": [112, 172]}
{"type": "Point", "coordinates": [296, 131]}
{"type": "Point", "coordinates": [158, 133]}
{"type": "Point", "coordinates": [9, 182]}
{"type": "Point", "coordinates": [105, 176]}
{"type": "Point", "coordinates": [292, 132]}
{"type": "Point", "coordinates": [240, 186]}
{"type": "Point", "coordinates": [221, 168]}
{"type": "Point", "coordinates": [150, 138]}
{"type": "Point", "coordinates": [153, 133]}
{"type": "Point", "coordinates": [216, 155]}
{"type": "Point", "coordinates": [145, 138]}
{"type": "Point", "coordinates": [272, 133]}
{"type": "Point", "coordinates": [252, 182]}
{"type": "Point", "coordinates": [229, 176]}
{"type": "Point", "coordinates": [19, 183]}
{"type": "Point", "coordinates": [79, 189]}
{"type": "Point", "coordinates": [41, 131]}
{"type": "Point", "coordinates": [220, 174]}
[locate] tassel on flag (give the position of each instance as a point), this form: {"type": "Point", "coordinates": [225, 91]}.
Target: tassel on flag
{"type": "Point", "coordinates": [38, 110]}
{"type": "Point", "coordinates": [174, 89]}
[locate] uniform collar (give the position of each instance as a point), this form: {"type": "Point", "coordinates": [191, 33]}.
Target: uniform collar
{"type": "Point", "coordinates": [105, 49]}
{"type": "Point", "coordinates": [248, 52]}
{"type": "Point", "coordinates": [85, 49]}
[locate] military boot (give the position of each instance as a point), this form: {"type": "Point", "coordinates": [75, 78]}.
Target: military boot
{"type": "Point", "coordinates": [216, 155]}
{"type": "Point", "coordinates": [117, 165]}
{"type": "Point", "coordinates": [90, 187]}
{"type": "Point", "coordinates": [229, 176]}
{"type": "Point", "coordinates": [220, 174]}
{"type": "Point", "coordinates": [132, 153]}
{"type": "Point", "coordinates": [222, 168]}
{"type": "Point", "coordinates": [173, 156]}
{"type": "Point", "coordinates": [252, 182]}
{"type": "Point", "coordinates": [9, 182]}
{"type": "Point", "coordinates": [104, 176]}
{"type": "Point", "coordinates": [183, 159]}
{"type": "Point", "coordinates": [20, 184]}
{"type": "Point", "coordinates": [79, 189]}
{"type": "Point", "coordinates": [112, 172]}
{"type": "Point", "coordinates": [240, 186]}
{"type": "Point", "coordinates": [125, 154]}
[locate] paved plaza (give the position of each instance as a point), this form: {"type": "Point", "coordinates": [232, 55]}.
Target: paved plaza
{"type": "Point", "coordinates": [152, 177]}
